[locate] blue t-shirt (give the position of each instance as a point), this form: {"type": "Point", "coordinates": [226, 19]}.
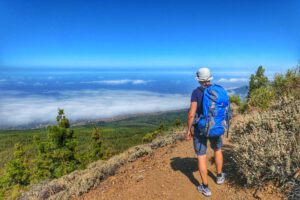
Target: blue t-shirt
{"type": "Point", "coordinates": [197, 96]}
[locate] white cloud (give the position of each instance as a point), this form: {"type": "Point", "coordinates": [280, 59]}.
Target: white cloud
{"type": "Point", "coordinates": [137, 82]}
{"type": "Point", "coordinates": [38, 84]}
{"type": "Point", "coordinates": [232, 80]}
{"type": "Point", "coordinates": [119, 82]}
{"type": "Point", "coordinates": [83, 105]}
{"type": "Point", "coordinates": [21, 83]}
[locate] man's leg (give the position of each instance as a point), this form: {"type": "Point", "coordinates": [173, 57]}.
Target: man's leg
{"type": "Point", "coordinates": [219, 160]}
{"type": "Point", "coordinates": [200, 146]}
{"type": "Point", "coordinates": [202, 168]}
{"type": "Point", "coordinates": [216, 144]}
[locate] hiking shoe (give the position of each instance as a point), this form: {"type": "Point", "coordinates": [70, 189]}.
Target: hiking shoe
{"type": "Point", "coordinates": [204, 190]}
{"type": "Point", "coordinates": [221, 179]}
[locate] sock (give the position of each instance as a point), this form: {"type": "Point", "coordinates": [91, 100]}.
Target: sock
{"type": "Point", "coordinates": [219, 175]}
{"type": "Point", "coordinates": [205, 185]}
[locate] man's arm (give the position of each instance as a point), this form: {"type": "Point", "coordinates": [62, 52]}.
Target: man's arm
{"type": "Point", "coordinates": [191, 116]}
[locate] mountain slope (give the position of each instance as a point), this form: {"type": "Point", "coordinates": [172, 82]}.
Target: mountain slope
{"type": "Point", "coordinates": [171, 173]}
{"type": "Point", "coordinates": [164, 169]}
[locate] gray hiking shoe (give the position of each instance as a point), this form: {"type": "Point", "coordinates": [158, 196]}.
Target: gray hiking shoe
{"type": "Point", "coordinates": [204, 190]}
{"type": "Point", "coordinates": [221, 179]}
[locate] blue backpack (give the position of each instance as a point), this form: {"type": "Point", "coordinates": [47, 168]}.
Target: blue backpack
{"type": "Point", "coordinates": [216, 112]}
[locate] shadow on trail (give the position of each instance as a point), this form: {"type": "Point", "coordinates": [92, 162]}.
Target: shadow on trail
{"type": "Point", "coordinates": [188, 166]}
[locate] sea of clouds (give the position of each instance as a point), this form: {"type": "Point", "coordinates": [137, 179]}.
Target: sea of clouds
{"type": "Point", "coordinates": [32, 100]}
{"type": "Point", "coordinates": [19, 108]}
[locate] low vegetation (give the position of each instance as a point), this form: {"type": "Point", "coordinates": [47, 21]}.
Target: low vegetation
{"type": "Point", "coordinates": [235, 99]}
{"type": "Point", "coordinates": [268, 144]}
{"type": "Point", "coordinates": [81, 181]}
{"type": "Point", "coordinates": [44, 154]}
{"type": "Point", "coordinates": [267, 138]}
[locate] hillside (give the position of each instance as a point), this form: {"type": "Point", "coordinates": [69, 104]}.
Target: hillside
{"type": "Point", "coordinates": [166, 168]}
{"type": "Point", "coordinates": [150, 172]}
{"type": "Point", "coordinates": [117, 135]}
{"type": "Point", "coordinates": [171, 173]}
{"type": "Point", "coordinates": [128, 131]}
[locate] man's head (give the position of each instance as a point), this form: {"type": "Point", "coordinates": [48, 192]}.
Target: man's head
{"type": "Point", "coordinates": [204, 76]}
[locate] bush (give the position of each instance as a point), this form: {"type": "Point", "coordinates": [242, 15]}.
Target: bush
{"type": "Point", "coordinates": [261, 97]}
{"type": "Point", "coordinates": [16, 174]}
{"type": "Point", "coordinates": [56, 155]}
{"type": "Point", "coordinates": [96, 151]}
{"type": "Point", "coordinates": [267, 145]}
{"type": "Point", "coordinates": [257, 80]}
{"type": "Point", "coordinates": [149, 137]}
{"type": "Point", "coordinates": [162, 127]}
{"type": "Point", "coordinates": [235, 99]}
{"type": "Point", "coordinates": [285, 85]}
{"type": "Point", "coordinates": [17, 170]}
{"type": "Point", "coordinates": [243, 107]}
{"type": "Point", "coordinates": [177, 123]}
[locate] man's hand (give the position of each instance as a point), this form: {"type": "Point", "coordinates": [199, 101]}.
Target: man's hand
{"type": "Point", "coordinates": [189, 135]}
{"type": "Point", "coordinates": [191, 116]}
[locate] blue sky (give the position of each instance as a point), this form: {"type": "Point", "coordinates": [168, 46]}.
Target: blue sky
{"type": "Point", "coordinates": [149, 34]}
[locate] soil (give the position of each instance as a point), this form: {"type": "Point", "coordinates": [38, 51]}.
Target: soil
{"type": "Point", "coordinates": [171, 173]}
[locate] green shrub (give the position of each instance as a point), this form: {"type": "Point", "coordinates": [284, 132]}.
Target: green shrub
{"type": "Point", "coordinates": [149, 137]}
{"type": "Point", "coordinates": [288, 84]}
{"type": "Point", "coordinates": [235, 99]}
{"type": "Point", "coordinates": [96, 151]}
{"type": "Point", "coordinates": [17, 170]}
{"type": "Point", "coordinates": [243, 107]}
{"type": "Point", "coordinates": [162, 127]}
{"type": "Point", "coordinates": [257, 80]}
{"type": "Point", "coordinates": [261, 97]}
{"type": "Point", "coordinates": [177, 123]}
{"type": "Point", "coordinates": [56, 155]}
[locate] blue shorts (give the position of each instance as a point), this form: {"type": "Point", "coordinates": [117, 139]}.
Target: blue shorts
{"type": "Point", "coordinates": [200, 143]}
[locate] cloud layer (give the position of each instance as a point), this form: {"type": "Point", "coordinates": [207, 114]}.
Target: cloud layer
{"type": "Point", "coordinates": [232, 80]}
{"type": "Point", "coordinates": [21, 109]}
{"type": "Point", "coordinates": [119, 82]}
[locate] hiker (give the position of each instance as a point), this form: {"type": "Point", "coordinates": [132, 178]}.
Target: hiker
{"type": "Point", "coordinates": [200, 138]}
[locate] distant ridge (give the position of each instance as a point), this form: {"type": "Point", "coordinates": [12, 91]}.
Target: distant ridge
{"type": "Point", "coordinates": [240, 91]}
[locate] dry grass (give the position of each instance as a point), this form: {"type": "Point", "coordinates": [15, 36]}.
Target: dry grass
{"type": "Point", "coordinates": [81, 181]}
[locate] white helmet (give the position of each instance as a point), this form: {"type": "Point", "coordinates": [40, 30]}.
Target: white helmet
{"type": "Point", "coordinates": [203, 74]}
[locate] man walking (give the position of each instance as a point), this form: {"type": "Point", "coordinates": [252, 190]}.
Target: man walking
{"type": "Point", "coordinates": [204, 77]}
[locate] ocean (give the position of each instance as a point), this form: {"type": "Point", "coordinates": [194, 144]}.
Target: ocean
{"type": "Point", "coordinates": [31, 98]}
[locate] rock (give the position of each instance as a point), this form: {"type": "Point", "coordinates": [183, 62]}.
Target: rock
{"type": "Point", "coordinates": [139, 178]}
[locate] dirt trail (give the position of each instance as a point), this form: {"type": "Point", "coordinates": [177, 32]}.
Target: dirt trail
{"type": "Point", "coordinates": [171, 173]}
